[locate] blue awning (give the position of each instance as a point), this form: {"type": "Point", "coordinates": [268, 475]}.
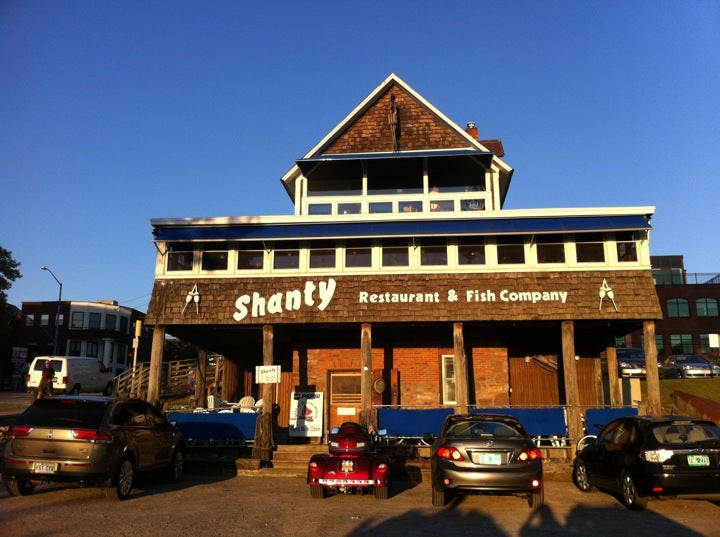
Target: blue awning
{"type": "Point", "coordinates": [394, 228]}
{"type": "Point", "coordinates": [307, 164]}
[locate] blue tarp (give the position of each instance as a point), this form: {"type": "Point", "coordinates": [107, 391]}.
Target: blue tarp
{"type": "Point", "coordinates": [404, 423]}
{"type": "Point", "coordinates": [215, 426]}
{"type": "Point", "coordinates": [537, 421]}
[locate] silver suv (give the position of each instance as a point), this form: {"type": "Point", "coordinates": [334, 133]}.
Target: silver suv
{"type": "Point", "coordinates": [91, 441]}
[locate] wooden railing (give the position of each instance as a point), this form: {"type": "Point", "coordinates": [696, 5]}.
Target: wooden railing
{"type": "Point", "coordinates": [178, 378]}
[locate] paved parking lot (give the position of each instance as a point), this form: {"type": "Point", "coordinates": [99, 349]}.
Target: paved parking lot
{"type": "Point", "coordinates": [211, 501]}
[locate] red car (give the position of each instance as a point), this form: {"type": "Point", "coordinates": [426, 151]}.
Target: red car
{"type": "Point", "coordinates": [353, 465]}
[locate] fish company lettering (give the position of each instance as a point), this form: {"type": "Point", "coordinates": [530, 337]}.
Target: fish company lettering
{"type": "Point", "coordinates": [321, 294]}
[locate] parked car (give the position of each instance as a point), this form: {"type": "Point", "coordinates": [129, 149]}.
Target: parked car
{"type": "Point", "coordinates": [631, 362]}
{"type": "Point", "coordinates": [691, 366]}
{"type": "Point", "coordinates": [92, 441]}
{"type": "Point", "coordinates": [640, 456]}
{"type": "Point", "coordinates": [485, 454]}
{"type": "Point", "coordinates": [353, 464]}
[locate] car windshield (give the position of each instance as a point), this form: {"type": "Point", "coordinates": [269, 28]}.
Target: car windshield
{"type": "Point", "coordinates": [488, 429]}
{"type": "Point", "coordinates": [694, 360]}
{"type": "Point", "coordinates": [685, 433]}
{"type": "Point", "coordinates": [49, 412]}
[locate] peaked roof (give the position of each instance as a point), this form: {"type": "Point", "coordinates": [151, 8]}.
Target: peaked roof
{"type": "Point", "coordinates": [417, 127]}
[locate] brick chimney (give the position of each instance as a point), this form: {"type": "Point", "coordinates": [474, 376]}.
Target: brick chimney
{"type": "Point", "coordinates": [472, 130]}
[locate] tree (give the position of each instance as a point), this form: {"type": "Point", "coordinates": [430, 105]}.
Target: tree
{"type": "Point", "coordinates": [8, 314]}
{"type": "Point", "coordinates": [8, 273]}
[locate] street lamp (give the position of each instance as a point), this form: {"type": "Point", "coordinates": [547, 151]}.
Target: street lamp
{"type": "Point", "coordinates": [57, 314]}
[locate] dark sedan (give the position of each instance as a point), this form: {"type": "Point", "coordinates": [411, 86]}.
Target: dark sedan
{"type": "Point", "coordinates": [640, 457]}
{"type": "Point", "coordinates": [90, 441]}
{"type": "Point", "coordinates": [485, 454]}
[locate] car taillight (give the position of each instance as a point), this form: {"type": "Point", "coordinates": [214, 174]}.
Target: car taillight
{"type": "Point", "coordinates": [450, 454]}
{"type": "Point", "coordinates": [656, 455]}
{"type": "Point", "coordinates": [91, 435]}
{"type": "Point", "coordinates": [19, 430]}
{"type": "Point", "coordinates": [532, 454]}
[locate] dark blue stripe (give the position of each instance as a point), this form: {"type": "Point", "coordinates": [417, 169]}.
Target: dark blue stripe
{"type": "Point", "coordinates": [402, 228]}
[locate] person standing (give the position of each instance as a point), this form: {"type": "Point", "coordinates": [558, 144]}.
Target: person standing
{"type": "Point", "coordinates": [46, 380]}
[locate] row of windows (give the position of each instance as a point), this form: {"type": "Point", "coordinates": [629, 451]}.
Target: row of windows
{"type": "Point", "coordinates": [470, 203]}
{"type": "Point", "coordinates": [78, 318]}
{"type": "Point", "coordinates": [96, 349]}
{"type": "Point", "coordinates": [94, 321]}
{"type": "Point", "coordinates": [704, 307]}
{"type": "Point", "coordinates": [681, 344]}
{"type": "Point", "coordinates": [429, 252]}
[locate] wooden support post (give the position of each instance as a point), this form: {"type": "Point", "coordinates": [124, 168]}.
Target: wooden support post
{"type": "Point", "coordinates": [572, 391]}
{"type": "Point", "coordinates": [461, 374]}
{"type": "Point", "coordinates": [156, 363]}
{"type": "Point", "coordinates": [264, 444]}
{"type": "Point", "coordinates": [366, 414]}
{"type": "Point", "coordinates": [613, 382]}
{"type": "Point", "coordinates": [652, 377]}
{"type": "Point", "coordinates": [200, 373]}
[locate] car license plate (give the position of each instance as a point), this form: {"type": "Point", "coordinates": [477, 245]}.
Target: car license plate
{"type": "Point", "coordinates": [698, 460]}
{"type": "Point", "coordinates": [43, 467]}
{"type": "Point", "coordinates": [489, 458]}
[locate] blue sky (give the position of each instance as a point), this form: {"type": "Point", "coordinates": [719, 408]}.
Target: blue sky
{"type": "Point", "coordinates": [116, 112]}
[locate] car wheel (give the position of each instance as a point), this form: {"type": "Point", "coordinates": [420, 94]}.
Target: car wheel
{"type": "Point", "coordinates": [75, 390]}
{"type": "Point", "coordinates": [318, 492]}
{"type": "Point", "coordinates": [20, 487]}
{"type": "Point", "coordinates": [382, 493]}
{"type": "Point", "coordinates": [123, 481]}
{"type": "Point", "coordinates": [176, 466]}
{"type": "Point", "coordinates": [536, 500]}
{"type": "Point", "coordinates": [108, 389]}
{"type": "Point", "coordinates": [580, 477]}
{"type": "Point", "coordinates": [439, 497]}
{"type": "Point", "coordinates": [630, 497]}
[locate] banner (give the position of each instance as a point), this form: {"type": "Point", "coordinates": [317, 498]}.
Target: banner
{"type": "Point", "coordinates": [306, 414]}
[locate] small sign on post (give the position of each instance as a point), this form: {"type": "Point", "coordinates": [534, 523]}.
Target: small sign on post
{"type": "Point", "coordinates": [267, 374]}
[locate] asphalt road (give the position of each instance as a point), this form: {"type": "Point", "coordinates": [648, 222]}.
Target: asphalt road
{"type": "Point", "coordinates": [215, 501]}
{"type": "Point", "coordinates": [210, 501]}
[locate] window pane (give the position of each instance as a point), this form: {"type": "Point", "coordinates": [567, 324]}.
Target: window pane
{"type": "Point", "coordinates": [348, 208]}
{"type": "Point", "coordinates": [286, 259]}
{"type": "Point", "coordinates": [217, 260]}
{"type": "Point", "coordinates": [320, 208]}
{"type": "Point", "coordinates": [681, 343]}
{"type": "Point", "coordinates": [551, 253]}
{"type": "Point", "coordinates": [471, 254]}
{"type": "Point", "coordinates": [678, 307]}
{"type": "Point", "coordinates": [78, 319]}
{"type": "Point", "coordinates": [395, 256]}
{"type": "Point", "coordinates": [250, 259]}
{"type": "Point", "coordinates": [510, 250]}
{"type": "Point", "coordinates": [707, 307]}
{"type": "Point", "coordinates": [180, 256]}
{"type": "Point", "coordinates": [410, 206]}
{"type": "Point", "coordinates": [94, 320]}
{"type": "Point", "coordinates": [110, 321]}
{"type": "Point", "coordinates": [324, 258]}
{"type": "Point", "coordinates": [473, 205]}
{"type": "Point", "coordinates": [358, 257]}
{"type": "Point", "coordinates": [381, 207]}
{"type": "Point", "coordinates": [433, 255]}
{"type": "Point", "coordinates": [442, 205]}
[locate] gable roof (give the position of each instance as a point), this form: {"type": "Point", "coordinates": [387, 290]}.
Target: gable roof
{"type": "Point", "coordinates": [420, 127]}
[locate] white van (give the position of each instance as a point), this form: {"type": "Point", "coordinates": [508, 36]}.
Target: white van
{"type": "Point", "coordinates": [73, 374]}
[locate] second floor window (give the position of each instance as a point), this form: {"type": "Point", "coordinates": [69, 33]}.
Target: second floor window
{"type": "Point", "coordinates": [550, 249]}
{"type": "Point", "coordinates": [78, 320]}
{"type": "Point", "coordinates": [707, 307]}
{"type": "Point", "coordinates": [678, 307]}
{"type": "Point", "coordinates": [94, 321]}
{"type": "Point", "coordinates": [510, 250]}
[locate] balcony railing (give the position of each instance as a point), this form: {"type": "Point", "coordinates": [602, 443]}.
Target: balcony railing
{"type": "Point", "coordinates": [678, 277]}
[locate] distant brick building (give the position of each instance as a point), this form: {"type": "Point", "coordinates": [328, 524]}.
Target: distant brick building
{"type": "Point", "coordinates": [401, 280]}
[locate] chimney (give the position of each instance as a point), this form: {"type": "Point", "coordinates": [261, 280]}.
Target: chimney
{"type": "Point", "coordinates": [472, 130]}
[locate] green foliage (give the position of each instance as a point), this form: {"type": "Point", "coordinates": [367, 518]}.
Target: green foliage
{"type": "Point", "coordinates": [8, 273]}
